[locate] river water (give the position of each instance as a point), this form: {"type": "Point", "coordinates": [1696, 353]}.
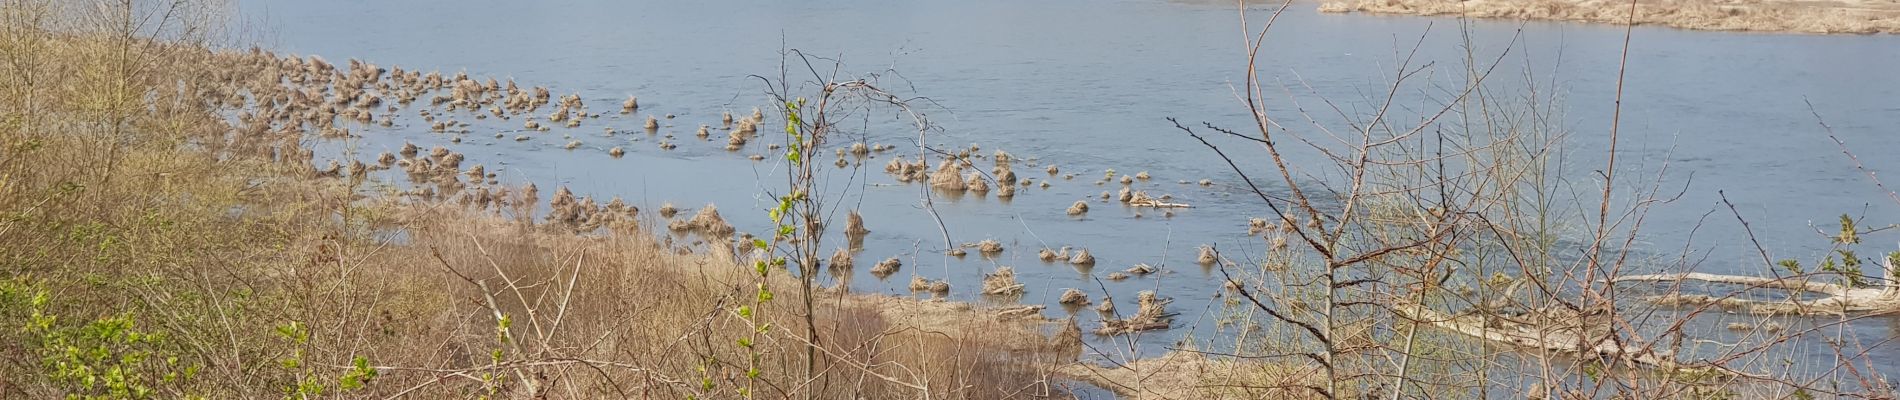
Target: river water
{"type": "Point", "coordinates": [1087, 85]}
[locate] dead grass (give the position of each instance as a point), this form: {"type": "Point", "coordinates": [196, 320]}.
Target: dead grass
{"type": "Point", "coordinates": [1080, 207]}
{"type": "Point", "coordinates": [1074, 297]}
{"type": "Point", "coordinates": [1152, 314]}
{"type": "Point", "coordinates": [886, 268]}
{"type": "Point", "coordinates": [1082, 258]}
{"type": "Point", "coordinates": [133, 205]}
{"type": "Point", "coordinates": [1002, 282]}
{"type": "Point", "coordinates": [948, 176]}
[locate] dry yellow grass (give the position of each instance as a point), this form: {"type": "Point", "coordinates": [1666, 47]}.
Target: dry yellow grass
{"type": "Point", "coordinates": [202, 257]}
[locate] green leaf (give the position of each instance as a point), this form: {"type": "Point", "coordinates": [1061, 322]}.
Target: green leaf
{"type": "Point", "coordinates": [1791, 266]}
{"type": "Point", "coordinates": [1848, 236]}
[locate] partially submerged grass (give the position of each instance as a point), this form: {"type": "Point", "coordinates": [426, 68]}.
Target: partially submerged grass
{"type": "Point", "coordinates": [1002, 282]}
{"type": "Point", "coordinates": [1080, 207]}
{"type": "Point", "coordinates": [1082, 258]}
{"type": "Point", "coordinates": [886, 268]}
{"type": "Point", "coordinates": [1073, 297]}
{"type": "Point", "coordinates": [151, 249]}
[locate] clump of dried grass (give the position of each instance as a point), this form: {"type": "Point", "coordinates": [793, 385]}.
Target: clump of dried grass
{"type": "Point", "coordinates": [563, 210]}
{"type": "Point", "coordinates": [708, 222]}
{"type": "Point", "coordinates": [1073, 297]}
{"type": "Point", "coordinates": [1080, 207]}
{"type": "Point", "coordinates": [1207, 255]}
{"type": "Point", "coordinates": [1107, 308]}
{"type": "Point", "coordinates": [887, 267]}
{"type": "Point", "coordinates": [841, 258]}
{"type": "Point", "coordinates": [1151, 315]}
{"type": "Point", "coordinates": [1002, 282]}
{"type": "Point", "coordinates": [854, 224]}
{"type": "Point", "coordinates": [989, 246]}
{"type": "Point", "coordinates": [935, 286]}
{"type": "Point", "coordinates": [1256, 226]}
{"type": "Point", "coordinates": [1082, 258]}
{"type": "Point", "coordinates": [948, 176]}
{"type": "Point", "coordinates": [1140, 269]}
{"type": "Point", "coordinates": [975, 183]}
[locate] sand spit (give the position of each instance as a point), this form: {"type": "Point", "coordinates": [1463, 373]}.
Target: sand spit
{"type": "Point", "coordinates": [1830, 16]}
{"type": "Point", "coordinates": [1186, 374]}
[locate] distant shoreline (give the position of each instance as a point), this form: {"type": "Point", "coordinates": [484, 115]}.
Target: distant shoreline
{"type": "Point", "coordinates": [1824, 17]}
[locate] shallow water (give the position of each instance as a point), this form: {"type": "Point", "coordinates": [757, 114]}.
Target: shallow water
{"type": "Point", "coordinates": [1087, 85]}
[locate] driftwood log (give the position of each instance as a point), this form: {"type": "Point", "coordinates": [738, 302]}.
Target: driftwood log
{"type": "Point", "coordinates": [1158, 204]}
{"type": "Point", "coordinates": [1555, 330]}
{"type": "Point", "coordinates": [1841, 299]}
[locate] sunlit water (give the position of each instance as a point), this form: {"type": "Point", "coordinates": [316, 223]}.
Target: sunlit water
{"type": "Point", "coordinates": [1088, 85]}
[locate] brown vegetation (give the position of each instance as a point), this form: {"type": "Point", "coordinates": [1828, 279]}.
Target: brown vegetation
{"type": "Point", "coordinates": [1002, 282]}
{"type": "Point", "coordinates": [192, 256]}
{"type": "Point", "coordinates": [1151, 314]}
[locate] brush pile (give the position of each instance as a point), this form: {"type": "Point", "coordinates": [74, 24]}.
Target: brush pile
{"type": "Point", "coordinates": [1152, 315]}
{"type": "Point", "coordinates": [1002, 282]}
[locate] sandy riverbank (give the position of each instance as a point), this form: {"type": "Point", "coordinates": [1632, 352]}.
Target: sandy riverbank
{"type": "Point", "coordinates": [1831, 16]}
